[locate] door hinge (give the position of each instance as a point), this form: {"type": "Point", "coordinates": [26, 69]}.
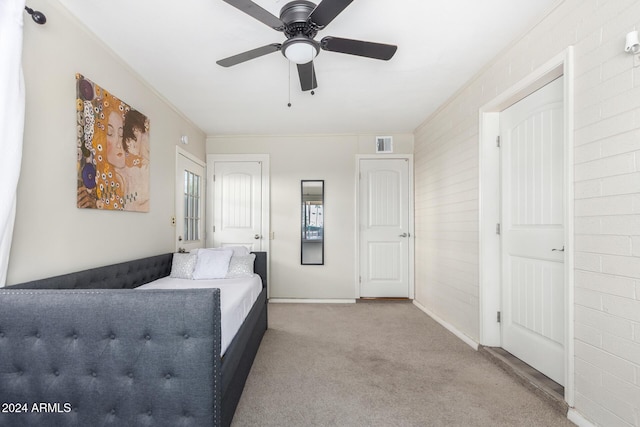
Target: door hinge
{"type": "Point", "coordinates": [499, 318]}
{"type": "Point", "coordinates": [498, 141]}
{"type": "Point", "coordinates": [214, 228]}
{"type": "Point", "coordinates": [359, 279]}
{"type": "Point", "coordinates": [214, 178]}
{"type": "Point", "coordinates": [498, 228]}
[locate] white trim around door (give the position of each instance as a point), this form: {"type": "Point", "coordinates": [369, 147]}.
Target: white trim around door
{"type": "Point", "coordinates": [489, 193]}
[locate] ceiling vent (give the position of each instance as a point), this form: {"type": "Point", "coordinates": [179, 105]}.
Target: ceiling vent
{"type": "Point", "coordinates": [384, 144]}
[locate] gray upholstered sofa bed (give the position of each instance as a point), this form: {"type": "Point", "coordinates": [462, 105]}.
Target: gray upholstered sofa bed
{"type": "Point", "coordinates": [84, 349]}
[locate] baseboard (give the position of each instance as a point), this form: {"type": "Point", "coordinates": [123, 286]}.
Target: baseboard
{"type": "Point", "coordinates": [310, 301]}
{"type": "Point", "coordinates": [448, 326]}
{"type": "Point", "coordinates": [577, 418]}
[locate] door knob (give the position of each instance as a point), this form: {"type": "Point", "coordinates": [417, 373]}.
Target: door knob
{"type": "Point", "coordinates": [403, 235]}
{"type": "Point", "coordinates": [179, 238]}
{"type": "Point", "coordinates": [257, 236]}
{"type": "Point", "coordinates": [559, 250]}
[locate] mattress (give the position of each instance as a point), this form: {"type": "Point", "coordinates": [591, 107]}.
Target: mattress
{"type": "Point", "coordinates": [237, 296]}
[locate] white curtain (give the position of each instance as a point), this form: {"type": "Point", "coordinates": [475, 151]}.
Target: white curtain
{"type": "Point", "coordinates": [11, 121]}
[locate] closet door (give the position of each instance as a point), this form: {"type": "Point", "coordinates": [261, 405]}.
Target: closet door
{"type": "Point", "coordinates": [532, 158]}
{"type": "Point", "coordinates": [237, 205]}
{"type": "Point", "coordinates": [384, 228]}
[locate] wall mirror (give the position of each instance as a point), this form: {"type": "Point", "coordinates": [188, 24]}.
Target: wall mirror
{"type": "Point", "coordinates": [312, 237]}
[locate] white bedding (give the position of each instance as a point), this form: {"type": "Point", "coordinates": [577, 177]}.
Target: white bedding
{"type": "Point", "coordinates": [237, 296]}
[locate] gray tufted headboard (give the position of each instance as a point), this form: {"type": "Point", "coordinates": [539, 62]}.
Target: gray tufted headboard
{"type": "Point", "coordinates": [125, 275]}
{"type": "Point", "coordinates": [110, 357]}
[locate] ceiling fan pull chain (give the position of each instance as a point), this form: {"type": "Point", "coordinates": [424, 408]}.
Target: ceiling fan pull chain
{"type": "Point", "coordinates": [313, 75]}
{"type": "Point", "coordinates": [289, 85]}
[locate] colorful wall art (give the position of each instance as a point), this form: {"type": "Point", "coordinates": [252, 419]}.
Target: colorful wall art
{"type": "Point", "coordinates": [113, 151]}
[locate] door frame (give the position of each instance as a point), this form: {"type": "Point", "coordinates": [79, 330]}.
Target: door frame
{"type": "Point", "coordinates": [264, 159]}
{"type": "Point", "coordinates": [409, 158]}
{"type": "Point", "coordinates": [489, 205]}
{"type": "Point", "coordinates": [181, 152]}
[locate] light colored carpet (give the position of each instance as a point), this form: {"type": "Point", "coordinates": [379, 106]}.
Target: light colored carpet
{"type": "Point", "coordinates": [377, 364]}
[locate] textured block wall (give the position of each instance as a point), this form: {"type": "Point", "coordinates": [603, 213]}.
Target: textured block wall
{"type": "Point", "coordinates": [607, 198]}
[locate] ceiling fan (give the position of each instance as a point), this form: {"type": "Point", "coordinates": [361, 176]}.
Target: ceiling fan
{"type": "Point", "coordinates": [300, 21]}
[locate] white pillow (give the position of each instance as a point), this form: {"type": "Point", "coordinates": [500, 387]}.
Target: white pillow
{"type": "Point", "coordinates": [241, 266]}
{"type": "Point", "coordinates": [182, 265]}
{"type": "Point", "coordinates": [212, 264]}
{"type": "Point", "coordinates": [237, 250]}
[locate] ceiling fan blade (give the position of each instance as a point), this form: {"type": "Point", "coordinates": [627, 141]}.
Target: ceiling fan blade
{"type": "Point", "coordinates": [262, 15]}
{"type": "Point", "coordinates": [248, 55]}
{"type": "Point", "coordinates": [327, 10]}
{"type": "Point", "coordinates": [307, 75]}
{"type": "Point", "coordinates": [359, 47]}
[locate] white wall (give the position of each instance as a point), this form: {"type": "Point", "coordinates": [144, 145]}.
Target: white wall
{"type": "Point", "coordinates": [294, 158]}
{"type": "Point", "coordinates": [607, 198]}
{"type": "Point", "coordinates": [51, 235]}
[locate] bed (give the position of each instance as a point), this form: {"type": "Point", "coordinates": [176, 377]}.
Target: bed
{"type": "Point", "coordinates": [97, 347]}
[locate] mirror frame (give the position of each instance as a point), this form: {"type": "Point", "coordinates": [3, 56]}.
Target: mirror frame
{"type": "Point", "coordinates": [303, 223]}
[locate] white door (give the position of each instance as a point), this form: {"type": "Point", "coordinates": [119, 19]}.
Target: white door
{"type": "Point", "coordinates": [189, 203]}
{"type": "Point", "coordinates": [533, 231]}
{"type": "Point", "coordinates": [237, 204]}
{"type": "Point", "coordinates": [384, 228]}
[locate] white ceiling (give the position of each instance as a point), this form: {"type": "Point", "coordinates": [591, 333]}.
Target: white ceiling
{"type": "Point", "coordinates": [174, 46]}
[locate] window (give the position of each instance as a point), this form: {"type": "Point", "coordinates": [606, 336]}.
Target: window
{"type": "Point", "coordinates": [191, 206]}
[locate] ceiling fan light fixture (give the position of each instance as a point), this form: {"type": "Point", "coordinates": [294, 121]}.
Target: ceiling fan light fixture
{"type": "Point", "coordinates": [300, 50]}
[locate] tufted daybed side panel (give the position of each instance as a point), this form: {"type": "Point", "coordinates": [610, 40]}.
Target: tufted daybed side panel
{"type": "Point", "coordinates": [125, 275]}
{"type": "Point", "coordinates": [116, 357]}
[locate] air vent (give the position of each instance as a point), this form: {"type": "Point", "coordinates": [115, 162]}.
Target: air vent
{"type": "Point", "coordinates": [384, 144]}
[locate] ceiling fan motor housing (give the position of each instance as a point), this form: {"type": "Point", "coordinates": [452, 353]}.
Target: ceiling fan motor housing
{"type": "Point", "coordinates": [295, 16]}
